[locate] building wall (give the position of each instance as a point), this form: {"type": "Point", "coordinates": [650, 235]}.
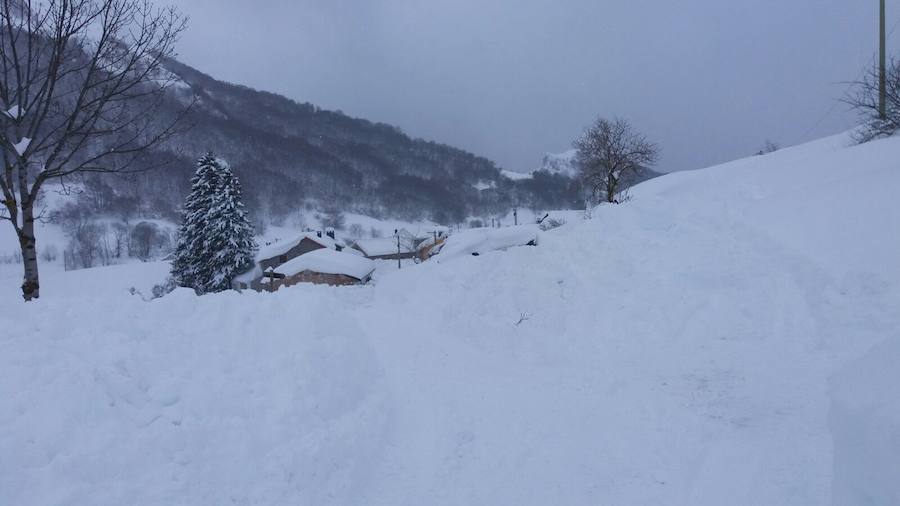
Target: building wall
{"type": "Point", "coordinates": [317, 278]}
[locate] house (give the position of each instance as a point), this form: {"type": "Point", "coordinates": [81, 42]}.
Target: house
{"type": "Point", "coordinates": [283, 251]}
{"type": "Point", "coordinates": [280, 252]}
{"type": "Point", "coordinates": [389, 248]}
{"type": "Point", "coordinates": [322, 266]}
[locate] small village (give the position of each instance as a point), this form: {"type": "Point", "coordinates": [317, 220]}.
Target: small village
{"type": "Point", "coordinates": [324, 257]}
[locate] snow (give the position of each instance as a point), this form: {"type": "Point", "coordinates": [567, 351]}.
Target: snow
{"type": "Point", "coordinates": [13, 112]}
{"type": "Point", "coordinates": [249, 276]}
{"type": "Point", "coordinates": [516, 176]}
{"type": "Point", "coordinates": [329, 262]}
{"type": "Point", "coordinates": [280, 247]}
{"type": "Point", "coordinates": [22, 145]}
{"type": "Point", "coordinates": [730, 336]}
{"type": "Point", "coordinates": [485, 240]}
{"type": "Point", "coordinates": [865, 424]}
{"type": "Point", "coordinates": [381, 246]}
{"type": "Point", "coordinates": [562, 164]}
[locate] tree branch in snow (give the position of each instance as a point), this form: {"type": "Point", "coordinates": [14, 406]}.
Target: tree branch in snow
{"type": "Point", "coordinates": [524, 317]}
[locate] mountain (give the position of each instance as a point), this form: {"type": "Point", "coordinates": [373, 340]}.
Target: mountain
{"type": "Point", "coordinates": [292, 155]}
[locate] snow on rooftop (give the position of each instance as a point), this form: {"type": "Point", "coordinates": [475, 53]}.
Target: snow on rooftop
{"type": "Point", "coordinates": [382, 246]}
{"type": "Point", "coordinates": [328, 261]}
{"type": "Point", "coordinates": [280, 247]}
{"type": "Point", "coordinates": [484, 240]}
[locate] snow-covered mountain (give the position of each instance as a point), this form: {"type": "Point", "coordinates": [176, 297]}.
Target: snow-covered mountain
{"type": "Point", "coordinates": [562, 163]}
{"type": "Point", "coordinates": [720, 339]}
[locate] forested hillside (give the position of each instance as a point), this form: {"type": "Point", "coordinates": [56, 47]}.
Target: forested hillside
{"type": "Point", "coordinates": [293, 155]}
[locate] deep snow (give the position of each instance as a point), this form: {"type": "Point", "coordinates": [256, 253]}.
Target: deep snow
{"type": "Point", "coordinates": [721, 339]}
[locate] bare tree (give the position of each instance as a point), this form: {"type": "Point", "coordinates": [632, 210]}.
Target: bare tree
{"type": "Point", "coordinates": [608, 153]}
{"type": "Point", "coordinates": [82, 89]}
{"type": "Point", "coordinates": [864, 99]}
{"type": "Point", "coordinates": [85, 244]}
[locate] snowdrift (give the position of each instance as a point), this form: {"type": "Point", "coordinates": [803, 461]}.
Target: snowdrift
{"type": "Point", "coordinates": [728, 337]}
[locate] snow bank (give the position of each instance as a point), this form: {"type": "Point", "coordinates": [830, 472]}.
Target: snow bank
{"type": "Point", "coordinates": [865, 422]}
{"type": "Point", "coordinates": [187, 400]}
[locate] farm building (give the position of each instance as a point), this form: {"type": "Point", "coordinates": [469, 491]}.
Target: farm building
{"type": "Point", "coordinates": [321, 266]}
{"type": "Point", "coordinates": [283, 251]}
{"type": "Point", "coordinates": [324, 267]}
{"type": "Point", "coordinates": [386, 248]}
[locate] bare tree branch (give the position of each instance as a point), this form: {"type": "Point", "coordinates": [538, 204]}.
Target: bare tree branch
{"type": "Point", "coordinates": [82, 89]}
{"type": "Point", "coordinates": [610, 151]}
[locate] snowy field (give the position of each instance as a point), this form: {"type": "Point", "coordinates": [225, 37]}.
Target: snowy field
{"type": "Point", "coordinates": [730, 337]}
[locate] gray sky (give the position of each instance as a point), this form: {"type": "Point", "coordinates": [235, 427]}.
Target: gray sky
{"type": "Point", "coordinates": [709, 80]}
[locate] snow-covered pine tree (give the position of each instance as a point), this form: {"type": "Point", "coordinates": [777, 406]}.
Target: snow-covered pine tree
{"type": "Point", "coordinates": [229, 234]}
{"type": "Point", "coordinates": [191, 257]}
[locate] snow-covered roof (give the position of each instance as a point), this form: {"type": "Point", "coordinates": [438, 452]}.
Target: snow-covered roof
{"type": "Point", "coordinates": [382, 246]}
{"type": "Point", "coordinates": [328, 261]}
{"type": "Point", "coordinates": [427, 242]}
{"type": "Point", "coordinates": [283, 246]}
{"type": "Point", "coordinates": [483, 240]}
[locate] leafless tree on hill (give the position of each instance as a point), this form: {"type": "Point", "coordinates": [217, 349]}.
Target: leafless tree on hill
{"type": "Point", "coordinates": [608, 152]}
{"type": "Point", "coordinates": [864, 99]}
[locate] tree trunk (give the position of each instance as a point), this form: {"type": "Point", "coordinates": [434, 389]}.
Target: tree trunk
{"type": "Point", "coordinates": [31, 285]}
{"type": "Point", "coordinates": [612, 189]}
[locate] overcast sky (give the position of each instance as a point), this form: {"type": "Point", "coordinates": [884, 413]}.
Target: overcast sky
{"type": "Point", "coordinates": [709, 80]}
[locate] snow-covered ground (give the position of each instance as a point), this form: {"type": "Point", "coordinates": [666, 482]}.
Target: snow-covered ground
{"type": "Point", "coordinates": [728, 337]}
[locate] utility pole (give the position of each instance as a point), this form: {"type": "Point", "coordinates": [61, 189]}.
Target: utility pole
{"type": "Point", "coordinates": [397, 233]}
{"type": "Point", "coordinates": [882, 76]}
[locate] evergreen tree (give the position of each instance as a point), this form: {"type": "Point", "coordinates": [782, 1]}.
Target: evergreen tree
{"type": "Point", "coordinates": [229, 234]}
{"type": "Point", "coordinates": [191, 254]}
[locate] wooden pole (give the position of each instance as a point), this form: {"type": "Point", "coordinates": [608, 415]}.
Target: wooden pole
{"type": "Point", "coordinates": [882, 63]}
